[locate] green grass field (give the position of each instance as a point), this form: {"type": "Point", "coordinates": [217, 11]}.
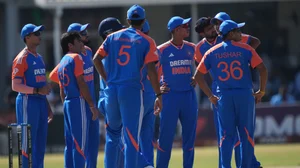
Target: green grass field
{"type": "Point", "coordinates": [271, 156]}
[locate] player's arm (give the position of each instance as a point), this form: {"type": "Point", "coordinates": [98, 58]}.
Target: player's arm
{"type": "Point", "coordinates": [18, 70]}
{"type": "Point", "coordinates": [150, 59]}
{"type": "Point", "coordinates": [256, 62]}
{"type": "Point", "coordinates": [50, 113]}
{"type": "Point", "coordinates": [199, 77]}
{"type": "Point", "coordinates": [254, 42]}
{"type": "Point", "coordinates": [99, 55]}
{"type": "Point", "coordinates": [62, 94]}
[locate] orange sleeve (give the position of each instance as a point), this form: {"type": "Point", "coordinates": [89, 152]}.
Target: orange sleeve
{"type": "Point", "coordinates": [198, 56]}
{"type": "Point", "coordinates": [152, 54]}
{"type": "Point", "coordinates": [201, 67]}
{"type": "Point", "coordinates": [54, 75]}
{"type": "Point", "coordinates": [245, 38]}
{"type": "Point", "coordinates": [102, 49]}
{"type": "Point", "coordinates": [255, 59]}
{"type": "Point", "coordinates": [19, 67]}
{"type": "Point", "coordinates": [78, 69]}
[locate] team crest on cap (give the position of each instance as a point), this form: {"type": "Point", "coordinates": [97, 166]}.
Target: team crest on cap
{"type": "Point", "coordinates": [135, 11]}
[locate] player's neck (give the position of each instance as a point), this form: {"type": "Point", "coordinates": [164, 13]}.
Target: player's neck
{"type": "Point", "coordinates": [31, 48]}
{"type": "Point", "coordinates": [211, 40]}
{"type": "Point", "coordinates": [177, 41]}
{"type": "Point", "coordinates": [136, 27]}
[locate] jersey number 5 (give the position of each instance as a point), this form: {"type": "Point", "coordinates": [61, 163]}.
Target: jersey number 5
{"type": "Point", "coordinates": [230, 71]}
{"type": "Point", "coordinates": [124, 53]}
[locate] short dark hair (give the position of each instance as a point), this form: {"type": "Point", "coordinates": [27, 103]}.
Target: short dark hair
{"type": "Point", "coordinates": [136, 22]}
{"type": "Point", "coordinates": [201, 24]}
{"type": "Point", "coordinates": [67, 38]}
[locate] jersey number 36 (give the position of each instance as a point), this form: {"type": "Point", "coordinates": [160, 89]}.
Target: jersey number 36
{"type": "Point", "coordinates": [232, 70]}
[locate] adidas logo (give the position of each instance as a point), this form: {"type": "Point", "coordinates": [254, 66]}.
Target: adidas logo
{"type": "Point", "coordinates": [34, 62]}
{"type": "Point", "coordinates": [171, 55]}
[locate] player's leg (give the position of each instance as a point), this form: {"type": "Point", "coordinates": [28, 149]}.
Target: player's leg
{"type": "Point", "coordinates": [168, 122]}
{"type": "Point", "coordinates": [188, 118]}
{"type": "Point", "coordinates": [113, 127]}
{"type": "Point", "coordinates": [216, 123]}
{"type": "Point", "coordinates": [237, 150]}
{"type": "Point", "coordinates": [147, 129]}
{"type": "Point", "coordinates": [132, 114]}
{"type": "Point", "coordinates": [68, 154]}
{"type": "Point", "coordinates": [93, 145]}
{"type": "Point", "coordinates": [244, 102]}
{"type": "Point", "coordinates": [28, 112]}
{"type": "Point", "coordinates": [77, 114]}
{"type": "Point", "coordinates": [41, 139]}
{"type": "Point", "coordinates": [227, 127]}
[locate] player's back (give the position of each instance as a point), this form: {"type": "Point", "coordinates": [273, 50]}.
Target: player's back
{"type": "Point", "coordinates": [126, 56]}
{"type": "Point", "coordinates": [229, 62]}
{"type": "Point", "coordinates": [67, 73]}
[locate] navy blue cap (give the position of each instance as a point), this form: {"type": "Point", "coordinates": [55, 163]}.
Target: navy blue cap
{"type": "Point", "coordinates": [177, 21]}
{"type": "Point", "coordinates": [109, 25]}
{"type": "Point", "coordinates": [138, 10]}
{"type": "Point", "coordinates": [229, 25]}
{"type": "Point", "coordinates": [76, 27]}
{"type": "Point", "coordinates": [30, 28]}
{"type": "Point", "coordinates": [221, 16]}
{"type": "Point", "coordinates": [146, 27]}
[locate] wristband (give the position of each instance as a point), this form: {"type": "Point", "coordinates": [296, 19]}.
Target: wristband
{"type": "Point", "coordinates": [210, 97]}
{"type": "Point", "coordinates": [158, 94]}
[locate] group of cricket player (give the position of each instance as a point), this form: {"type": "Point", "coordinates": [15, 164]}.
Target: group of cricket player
{"type": "Point", "coordinates": [138, 81]}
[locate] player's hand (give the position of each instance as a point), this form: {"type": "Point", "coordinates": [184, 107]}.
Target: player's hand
{"type": "Point", "coordinates": [258, 95]}
{"type": "Point", "coordinates": [193, 82]}
{"type": "Point", "coordinates": [45, 90]}
{"type": "Point", "coordinates": [95, 113]}
{"type": "Point", "coordinates": [158, 105]}
{"type": "Point", "coordinates": [164, 88]}
{"type": "Point", "coordinates": [50, 115]}
{"type": "Point", "coordinates": [214, 99]}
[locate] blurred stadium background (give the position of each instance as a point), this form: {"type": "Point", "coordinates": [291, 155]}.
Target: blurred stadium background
{"type": "Point", "coordinates": [275, 23]}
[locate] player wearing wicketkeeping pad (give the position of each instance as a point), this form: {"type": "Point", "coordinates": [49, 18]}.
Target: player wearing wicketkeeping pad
{"type": "Point", "coordinates": [79, 105]}
{"type": "Point", "coordinates": [177, 60]}
{"type": "Point", "coordinates": [229, 63]}
{"type": "Point", "coordinates": [125, 53]}
{"type": "Point", "coordinates": [206, 29]}
{"type": "Point", "coordinates": [32, 107]}
{"type": "Point", "coordinates": [88, 66]}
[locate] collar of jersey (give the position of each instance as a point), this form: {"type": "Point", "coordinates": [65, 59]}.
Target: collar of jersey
{"type": "Point", "coordinates": [34, 54]}
{"type": "Point", "coordinates": [213, 43]}
{"type": "Point", "coordinates": [177, 47]}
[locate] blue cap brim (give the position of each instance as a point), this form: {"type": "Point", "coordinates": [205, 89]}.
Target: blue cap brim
{"type": "Point", "coordinates": [38, 28]}
{"type": "Point", "coordinates": [84, 27]}
{"type": "Point", "coordinates": [188, 20]}
{"type": "Point", "coordinates": [241, 24]}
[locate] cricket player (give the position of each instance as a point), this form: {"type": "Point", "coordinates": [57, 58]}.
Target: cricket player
{"type": "Point", "coordinates": [177, 60]}
{"type": "Point", "coordinates": [221, 16]}
{"type": "Point", "coordinates": [106, 27]}
{"type": "Point", "coordinates": [210, 38]}
{"type": "Point", "coordinates": [229, 63]}
{"type": "Point", "coordinates": [79, 104]}
{"type": "Point", "coordinates": [88, 66]}
{"type": "Point", "coordinates": [147, 130]}
{"type": "Point", "coordinates": [32, 107]}
{"type": "Point", "coordinates": [125, 53]}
